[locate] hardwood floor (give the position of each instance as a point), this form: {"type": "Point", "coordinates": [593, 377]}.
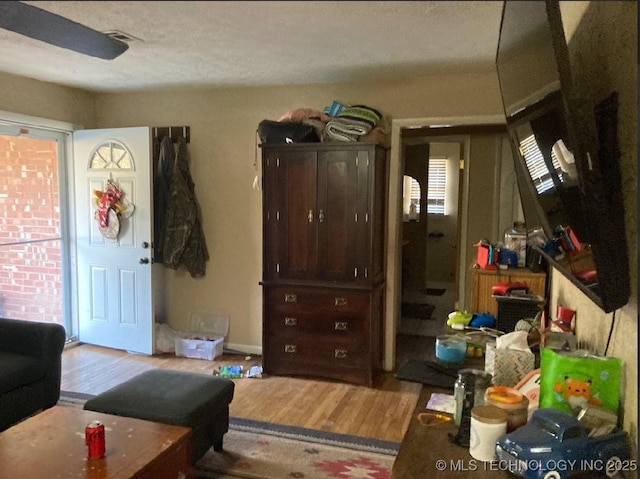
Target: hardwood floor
{"type": "Point", "coordinates": [382, 412]}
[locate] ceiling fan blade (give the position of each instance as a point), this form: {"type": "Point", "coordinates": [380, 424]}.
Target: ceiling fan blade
{"type": "Point", "coordinates": [48, 27]}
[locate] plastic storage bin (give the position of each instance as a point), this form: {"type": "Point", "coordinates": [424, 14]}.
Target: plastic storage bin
{"type": "Point", "coordinates": [515, 239]}
{"type": "Point", "coordinates": [206, 336]}
{"type": "Point", "coordinates": [200, 348]}
{"type": "Point", "coordinates": [512, 309]}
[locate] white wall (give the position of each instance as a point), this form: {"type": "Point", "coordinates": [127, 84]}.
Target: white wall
{"type": "Point", "coordinates": [46, 100]}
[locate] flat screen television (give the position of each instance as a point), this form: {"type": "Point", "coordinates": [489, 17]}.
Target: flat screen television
{"type": "Point", "coordinates": [566, 155]}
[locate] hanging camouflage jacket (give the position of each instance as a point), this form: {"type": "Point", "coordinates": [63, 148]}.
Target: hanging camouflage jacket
{"type": "Point", "coordinates": [184, 242]}
{"type": "Point", "coordinates": [161, 195]}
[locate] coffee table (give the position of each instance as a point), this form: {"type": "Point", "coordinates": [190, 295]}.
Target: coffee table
{"type": "Point", "coordinates": [51, 444]}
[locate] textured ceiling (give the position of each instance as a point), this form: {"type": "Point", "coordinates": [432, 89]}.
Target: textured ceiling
{"type": "Point", "coordinates": [205, 43]}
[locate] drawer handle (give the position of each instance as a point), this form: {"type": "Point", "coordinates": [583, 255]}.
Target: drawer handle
{"type": "Point", "coordinates": [340, 353]}
{"type": "Point", "coordinates": [340, 301]}
{"type": "Point", "coordinates": [290, 321]}
{"type": "Point", "coordinates": [290, 348]}
{"type": "Point", "coordinates": [341, 325]}
{"type": "Point", "coordinates": [290, 298]}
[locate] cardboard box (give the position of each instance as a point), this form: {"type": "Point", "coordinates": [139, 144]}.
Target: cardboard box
{"type": "Point", "coordinates": [205, 339]}
{"type": "Point", "coordinates": [579, 261]}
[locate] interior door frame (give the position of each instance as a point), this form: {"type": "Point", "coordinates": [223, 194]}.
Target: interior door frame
{"type": "Point", "coordinates": [393, 275]}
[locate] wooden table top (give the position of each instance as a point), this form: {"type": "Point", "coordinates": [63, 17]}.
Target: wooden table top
{"type": "Point", "coordinates": [426, 451]}
{"type": "Point", "coordinates": [51, 444]}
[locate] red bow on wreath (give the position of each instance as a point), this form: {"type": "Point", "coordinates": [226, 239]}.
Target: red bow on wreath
{"type": "Point", "coordinates": [110, 196]}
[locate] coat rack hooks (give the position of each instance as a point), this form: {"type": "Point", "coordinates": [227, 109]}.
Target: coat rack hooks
{"type": "Point", "coordinates": [173, 132]}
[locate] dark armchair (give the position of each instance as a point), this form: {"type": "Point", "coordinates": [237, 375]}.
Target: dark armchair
{"type": "Point", "coordinates": [30, 368]}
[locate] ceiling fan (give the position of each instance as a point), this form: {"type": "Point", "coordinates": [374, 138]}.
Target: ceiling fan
{"type": "Point", "coordinates": [48, 27]}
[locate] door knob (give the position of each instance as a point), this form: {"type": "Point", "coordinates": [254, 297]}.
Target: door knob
{"type": "Point", "coordinates": [145, 244]}
{"type": "Point", "coordinates": [143, 261]}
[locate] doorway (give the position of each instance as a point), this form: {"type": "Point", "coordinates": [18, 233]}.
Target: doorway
{"type": "Point", "coordinates": [457, 125]}
{"type": "Point", "coordinates": [39, 243]}
{"type": "Point", "coordinates": [433, 182]}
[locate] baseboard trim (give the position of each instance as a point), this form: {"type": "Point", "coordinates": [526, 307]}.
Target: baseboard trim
{"type": "Point", "coordinates": [244, 348]}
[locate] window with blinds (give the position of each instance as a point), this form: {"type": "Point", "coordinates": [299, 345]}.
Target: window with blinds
{"type": "Point", "coordinates": [537, 167]}
{"type": "Point", "coordinates": [436, 190]}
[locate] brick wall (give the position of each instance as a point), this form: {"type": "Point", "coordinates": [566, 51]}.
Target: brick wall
{"type": "Point", "coordinates": [30, 248]}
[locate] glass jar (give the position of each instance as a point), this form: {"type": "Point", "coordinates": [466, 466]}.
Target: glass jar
{"type": "Point", "coordinates": [488, 423]}
{"type": "Point", "coordinates": [514, 403]}
{"type": "Point", "coordinates": [471, 385]}
{"type": "Point", "coordinates": [515, 239]}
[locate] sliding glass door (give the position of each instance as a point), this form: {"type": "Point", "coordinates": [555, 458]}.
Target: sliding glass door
{"type": "Point", "coordinates": [34, 259]}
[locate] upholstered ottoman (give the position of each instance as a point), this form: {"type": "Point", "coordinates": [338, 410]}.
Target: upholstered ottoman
{"type": "Point", "coordinates": [195, 400]}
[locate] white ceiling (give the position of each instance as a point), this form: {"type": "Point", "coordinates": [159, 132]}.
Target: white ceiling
{"type": "Point", "coordinates": [250, 43]}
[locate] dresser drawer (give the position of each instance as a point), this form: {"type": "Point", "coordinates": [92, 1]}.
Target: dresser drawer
{"type": "Point", "coordinates": [322, 331]}
{"type": "Point", "coordinates": [316, 301]}
{"type": "Point", "coordinates": [310, 350]}
{"type": "Point", "coordinates": [323, 324]}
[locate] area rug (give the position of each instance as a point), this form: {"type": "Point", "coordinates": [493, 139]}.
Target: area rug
{"type": "Point", "coordinates": [260, 450]}
{"type": "Point", "coordinates": [413, 346]}
{"type": "Point", "coordinates": [417, 310]}
{"type": "Point", "coordinates": [427, 372]}
{"type": "Point", "coordinates": [434, 291]}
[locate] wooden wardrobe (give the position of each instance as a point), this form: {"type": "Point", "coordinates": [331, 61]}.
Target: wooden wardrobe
{"type": "Point", "coordinates": [324, 207]}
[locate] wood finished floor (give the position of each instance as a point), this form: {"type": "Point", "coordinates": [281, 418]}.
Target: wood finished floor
{"type": "Point", "coordinates": [382, 412]}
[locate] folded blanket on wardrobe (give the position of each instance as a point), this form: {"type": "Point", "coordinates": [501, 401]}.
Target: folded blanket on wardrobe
{"type": "Point", "coordinates": [346, 129]}
{"type": "Point", "coordinates": [362, 113]}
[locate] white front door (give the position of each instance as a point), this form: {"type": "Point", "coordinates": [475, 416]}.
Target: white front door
{"type": "Point", "coordinates": [115, 304]}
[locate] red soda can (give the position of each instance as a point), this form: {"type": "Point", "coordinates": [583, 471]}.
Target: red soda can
{"type": "Point", "coordinates": [94, 438]}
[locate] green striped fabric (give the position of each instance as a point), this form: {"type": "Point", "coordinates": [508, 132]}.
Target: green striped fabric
{"type": "Point", "coordinates": [362, 113]}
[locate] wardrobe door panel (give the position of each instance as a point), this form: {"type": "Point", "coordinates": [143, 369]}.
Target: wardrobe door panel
{"type": "Point", "coordinates": [337, 195]}
{"type": "Point", "coordinates": [296, 220]}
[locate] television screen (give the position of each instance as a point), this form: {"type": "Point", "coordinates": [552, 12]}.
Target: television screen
{"type": "Point", "coordinates": [535, 112]}
{"type": "Point", "coordinates": [564, 153]}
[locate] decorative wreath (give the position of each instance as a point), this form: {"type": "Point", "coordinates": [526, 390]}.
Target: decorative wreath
{"type": "Point", "coordinates": [110, 210]}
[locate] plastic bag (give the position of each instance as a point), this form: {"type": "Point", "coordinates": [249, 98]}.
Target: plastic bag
{"type": "Point", "coordinates": [166, 338]}
{"type": "Point", "coordinates": [574, 380]}
{"type": "Point", "coordinates": [286, 132]}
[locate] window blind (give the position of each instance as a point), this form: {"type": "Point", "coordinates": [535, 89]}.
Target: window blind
{"type": "Point", "coordinates": [436, 190]}
{"type": "Point", "coordinates": [537, 167]}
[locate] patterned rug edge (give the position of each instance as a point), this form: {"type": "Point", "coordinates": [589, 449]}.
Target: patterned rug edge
{"type": "Point", "coordinates": [314, 436]}
{"type": "Point", "coordinates": [317, 436]}
{"type": "Point", "coordinates": [75, 398]}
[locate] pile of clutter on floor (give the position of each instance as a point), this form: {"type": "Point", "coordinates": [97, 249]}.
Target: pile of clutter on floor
{"type": "Point", "coordinates": [205, 340]}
